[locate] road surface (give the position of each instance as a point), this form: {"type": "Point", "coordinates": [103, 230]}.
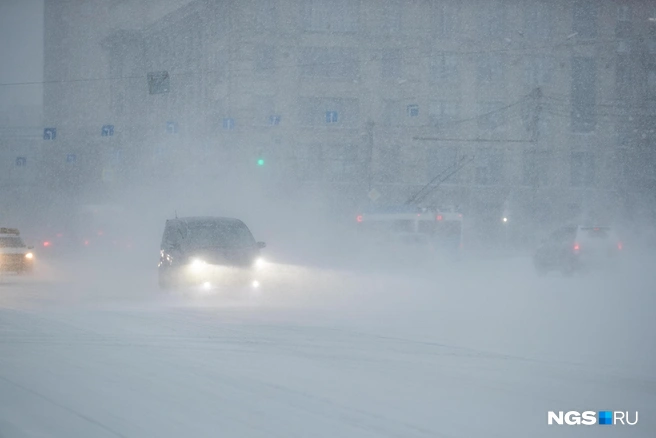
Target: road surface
{"type": "Point", "coordinates": [479, 350]}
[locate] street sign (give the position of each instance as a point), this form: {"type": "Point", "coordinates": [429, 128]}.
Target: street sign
{"type": "Point", "coordinates": [71, 158]}
{"type": "Point", "coordinates": [228, 123]}
{"type": "Point", "coordinates": [158, 82]}
{"type": "Point", "coordinates": [107, 130]}
{"type": "Point", "coordinates": [373, 195]}
{"type": "Point", "coordinates": [49, 133]}
{"type": "Point", "coordinates": [171, 127]}
{"type": "Point", "coordinates": [21, 161]}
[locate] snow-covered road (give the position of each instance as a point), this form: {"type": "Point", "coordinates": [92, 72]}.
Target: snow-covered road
{"type": "Point", "coordinates": [484, 350]}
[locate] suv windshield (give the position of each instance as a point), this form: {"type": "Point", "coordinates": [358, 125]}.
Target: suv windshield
{"type": "Point", "coordinates": [218, 234]}
{"type": "Point", "coordinates": [11, 242]}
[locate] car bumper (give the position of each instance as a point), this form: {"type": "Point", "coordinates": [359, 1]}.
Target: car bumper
{"type": "Point", "coordinates": [15, 263]}
{"type": "Point", "coordinates": [212, 277]}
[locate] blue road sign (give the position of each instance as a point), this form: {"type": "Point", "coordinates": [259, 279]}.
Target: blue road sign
{"type": "Point", "coordinates": [171, 127]}
{"type": "Point", "coordinates": [107, 130]}
{"type": "Point", "coordinates": [332, 116]}
{"type": "Point", "coordinates": [71, 158]}
{"type": "Point", "coordinates": [228, 123]}
{"type": "Point", "coordinates": [49, 133]}
{"type": "Point", "coordinates": [21, 161]}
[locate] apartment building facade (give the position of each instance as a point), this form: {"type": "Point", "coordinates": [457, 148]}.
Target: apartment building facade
{"type": "Point", "coordinates": [547, 108]}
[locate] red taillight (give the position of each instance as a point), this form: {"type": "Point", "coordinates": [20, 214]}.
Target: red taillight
{"type": "Point", "coordinates": [86, 242]}
{"type": "Point", "coordinates": [576, 247]}
{"type": "Point", "coordinates": [46, 243]}
{"type": "Point", "coordinates": [100, 233]}
{"type": "Point", "coordinates": [439, 217]}
{"type": "Point", "coordinates": [59, 234]}
{"type": "Point", "coordinates": [359, 218]}
{"type": "Point", "coordinates": [619, 245]}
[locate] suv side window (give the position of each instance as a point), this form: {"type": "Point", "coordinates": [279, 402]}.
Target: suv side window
{"type": "Point", "coordinates": [171, 236]}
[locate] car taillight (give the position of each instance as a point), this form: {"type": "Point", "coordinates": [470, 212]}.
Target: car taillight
{"type": "Point", "coordinates": [439, 217]}
{"type": "Point", "coordinates": [619, 245]}
{"type": "Point", "coordinates": [576, 247]}
{"type": "Point", "coordinates": [359, 218]}
{"type": "Point", "coordinates": [46, 243]}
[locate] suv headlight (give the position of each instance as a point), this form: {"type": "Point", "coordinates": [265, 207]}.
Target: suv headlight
{"type": "Point", "coordinates": [29, 256]}
{"type": "Point", "coordinates": [197, 264]}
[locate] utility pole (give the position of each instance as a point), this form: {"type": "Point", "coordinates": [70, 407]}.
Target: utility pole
{"type": "Point", "coordinates": [370, 153]}
{"type": "Point", "coordinates": [537, 96]}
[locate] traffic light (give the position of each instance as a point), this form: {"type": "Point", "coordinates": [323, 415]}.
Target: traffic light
{"type": "Point", "coordinates": [260, 161]}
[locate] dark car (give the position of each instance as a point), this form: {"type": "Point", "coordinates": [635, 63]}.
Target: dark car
{"type": "Point", "coordinates": [578, 248]}
{"type": "Point", "coordinates": [208, 253]}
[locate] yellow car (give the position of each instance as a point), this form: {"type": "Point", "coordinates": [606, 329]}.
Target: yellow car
{"type": "Point", "coordinates": [15, 256]}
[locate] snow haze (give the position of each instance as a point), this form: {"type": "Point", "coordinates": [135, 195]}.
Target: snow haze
{"type": "Point", "coordinates": [457, 200]}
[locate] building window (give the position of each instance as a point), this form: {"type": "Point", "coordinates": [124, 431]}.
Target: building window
{"type": "Point", "coordinates": [491, 115]}
{"type": "Point", "coordinates": [389, 165]}
{"type": "Point", "coordinates": [623, 76]}
{"type": "Point", "coordinates": [331, 15]}
{"type": "Point", "coordinates": [392, 12]}
{"type": "Point", "coordinates": [584, 23]}
{"type": "Point", "coordinates": [309, 162]}
{"type": "Point", "coordinates": [319, 111]}
{"type": "Point", "coordinates": [392, 112]}
{"type": "Point", "coordinates": [538, 20]}
{"type": "Point", "coordinates": [584, 81]}
{"type": "Point", "coordinates": [442, 162]}
{"type": "Point", "coordinates": [535, 169]}
{"type": "Point", "coordinates": [445, 18]}
{"type": "Point", "coordinates": [263, 108]}
{"type": "Point", "coordinates": [651, 84]}
{"type": "Point", "coordinates": [266, 17]}
{"type": "Point", "coordinates": [538, 70]}
{"type": "Point", "coordinates": [342, 162]}
{"type": "Point", "coordinates": [624, 28]}
{"type": "Point", "coordinates": [265, 60]}
{"type": "Point", "coordinates": [442, 113]}
{"type": "Point", "coordinates": [493, 17]}
{"type": "Point", "coordinates": [444, 68]}
{"type": "Point", "coordinates": [413, 110]}
{"type": "Point", "coordinates": [489, 166]}
{"type": "Point", "coordinates": [329, 62]}
{"type": "Point", "coordinates": [583, 169]}
{"type": "Point", "coordinates": [390, 64]}
{"type": "Point", "coordinates": [331, 117]}
{"type": "Point", "coordinates": [622, 164]}
{"type": "Point", "coordinates": [490, 69]}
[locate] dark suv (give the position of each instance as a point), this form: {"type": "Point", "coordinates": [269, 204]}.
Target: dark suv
{"type": "Point", "coordinates": [208, 253]}
{"type": "Point", "coordinates": [578, 248]}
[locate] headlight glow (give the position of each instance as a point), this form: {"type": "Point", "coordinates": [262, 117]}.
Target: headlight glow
{"type": "Point", "coordinates": [260, 263]}
{"type": "Point", "coordinates": [29, 255]}
{"type": "Point", "coordinates": [197, 264]}
{"type": "Point", "coordinates": [255, 284]}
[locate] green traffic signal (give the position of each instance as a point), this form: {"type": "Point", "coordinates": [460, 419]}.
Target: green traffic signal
{"type": "Point", "coordinates": [260, 162]}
